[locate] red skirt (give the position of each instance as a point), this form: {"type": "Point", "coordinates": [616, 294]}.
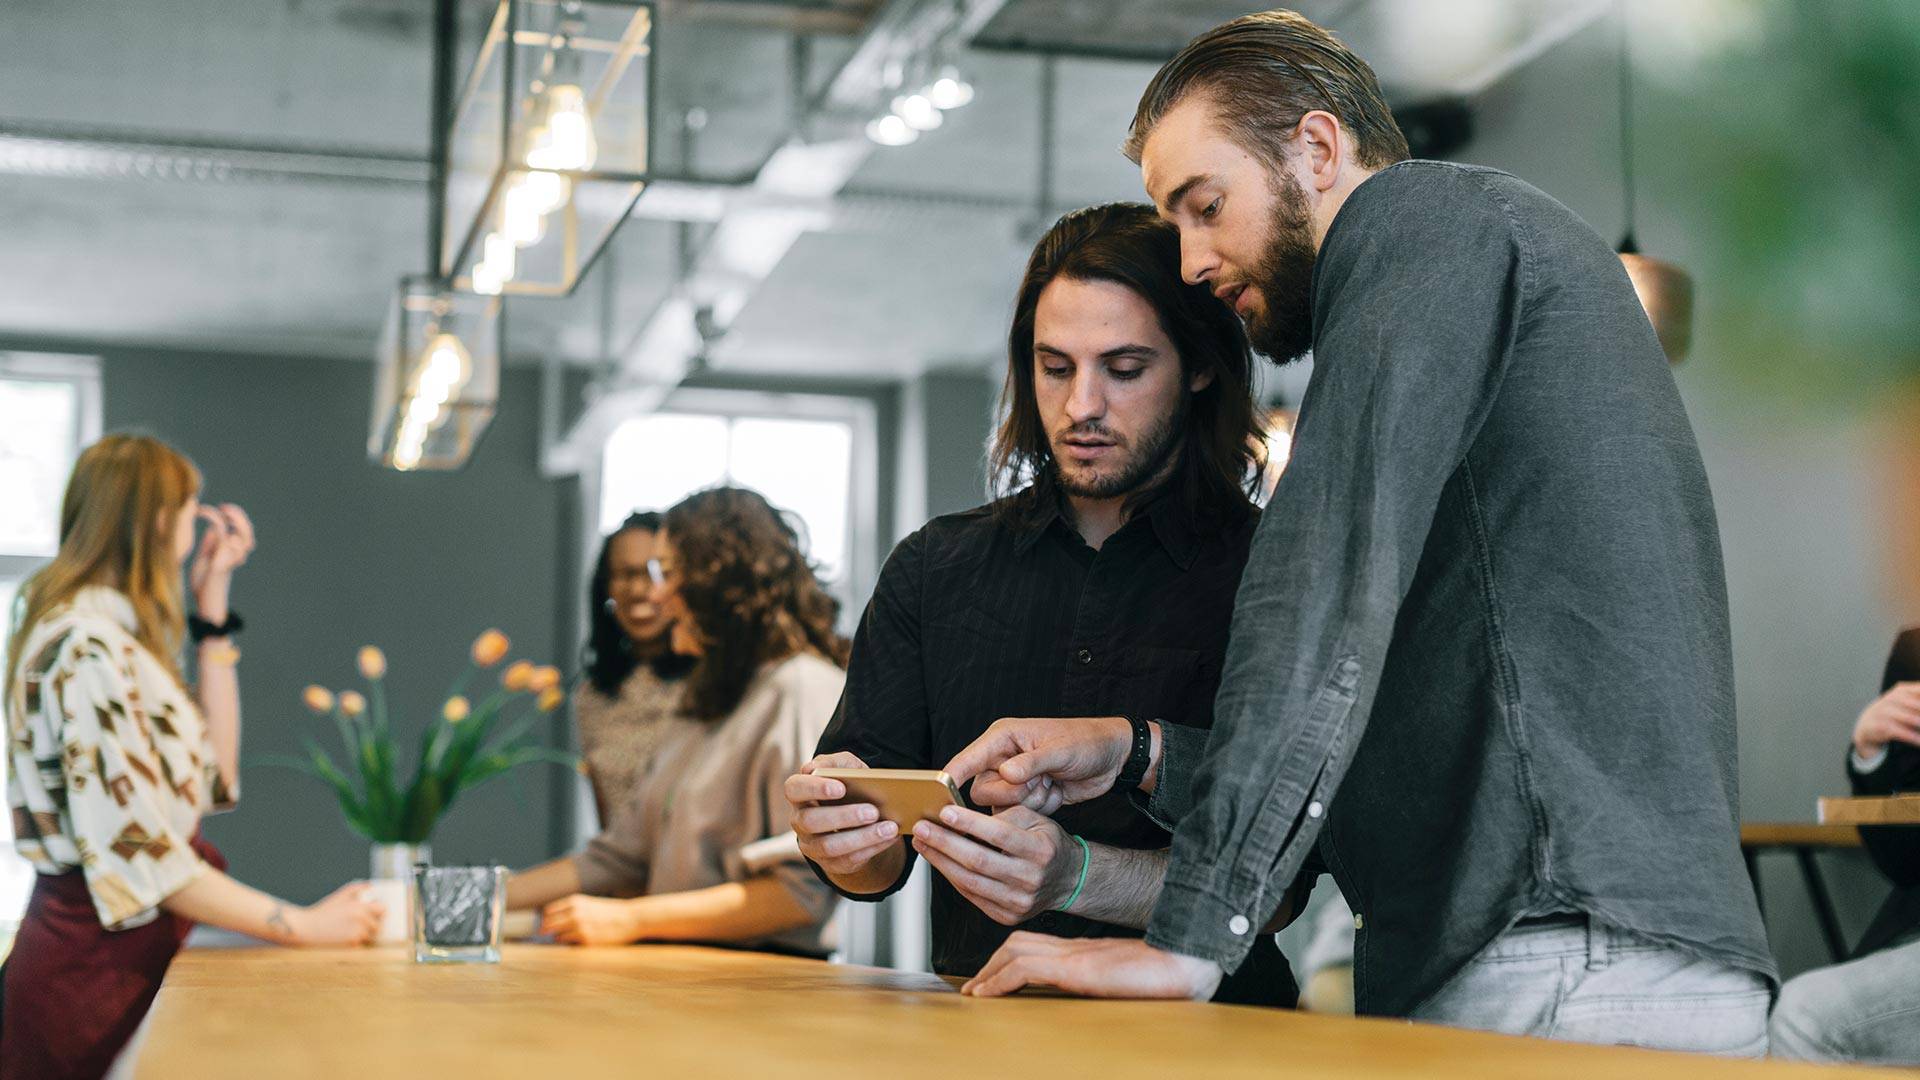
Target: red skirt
{"type": "Point", "coordinates": [75, 992]}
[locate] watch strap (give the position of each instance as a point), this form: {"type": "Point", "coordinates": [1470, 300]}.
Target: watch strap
{"type": "Point", "coordinates": [1139, 755]}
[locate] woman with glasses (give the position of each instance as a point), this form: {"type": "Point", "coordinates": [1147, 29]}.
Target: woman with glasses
{"type": "Point", "coordinates": [633, 676]}
{"type": "Point", "coordinates": [729, 574]}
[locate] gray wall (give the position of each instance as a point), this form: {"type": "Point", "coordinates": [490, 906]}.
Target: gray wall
{"type": "Point", "coordinates": [349, 554]}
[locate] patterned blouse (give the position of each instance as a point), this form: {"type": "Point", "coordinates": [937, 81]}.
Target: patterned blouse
{"type": "Point", "coordinates": [110, 767]}
{"type": "Point", "coordinates": [617, 734]}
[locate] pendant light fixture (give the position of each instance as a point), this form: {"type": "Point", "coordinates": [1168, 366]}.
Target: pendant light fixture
{"type": "Point", "coordinates": [436, 377]}
{"type": "Point", "coordinates": [1665, 290]}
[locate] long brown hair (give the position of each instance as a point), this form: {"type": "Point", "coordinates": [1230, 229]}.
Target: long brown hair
{"type": "Point", "coordinates": [752, 594]}
{"type": "Point", "coordinates": [1126, 244]}
{"type": "Point", "coordinates": [116, 529]}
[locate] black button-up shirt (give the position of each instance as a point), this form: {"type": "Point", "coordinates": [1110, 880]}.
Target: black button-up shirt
{"type": "Point", "coordinates": [975, 618]}
{"type": "Point", "coordinates": [1485, 606]}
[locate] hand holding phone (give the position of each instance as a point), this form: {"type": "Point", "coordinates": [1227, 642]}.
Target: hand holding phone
{"type": "Point", "coordinates": [904, 797]}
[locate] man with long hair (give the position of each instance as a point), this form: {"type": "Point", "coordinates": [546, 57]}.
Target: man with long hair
{"type": "Point", "coordinates": [1097, 586]}
{"type": "Point", "coordinates": [1481, 656]}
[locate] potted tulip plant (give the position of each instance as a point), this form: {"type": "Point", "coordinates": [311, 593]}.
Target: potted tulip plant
{"type": "Point", "coordinates": [396, 807]}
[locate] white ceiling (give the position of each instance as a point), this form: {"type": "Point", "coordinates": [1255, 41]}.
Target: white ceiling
{"type": "Point", "coordinates": [920, 275]}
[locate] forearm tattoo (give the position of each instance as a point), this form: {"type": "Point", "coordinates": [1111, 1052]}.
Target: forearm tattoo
{"type": "Point", "coordinates": [277, 922]}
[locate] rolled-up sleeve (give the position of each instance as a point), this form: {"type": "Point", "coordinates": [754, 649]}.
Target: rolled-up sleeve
{"type": "Point", "coordinates": [615, 863]}
{"type": "Point", "coordinates": [1418, 294]}
{"type": "Point", "coordinates": [122, 807]}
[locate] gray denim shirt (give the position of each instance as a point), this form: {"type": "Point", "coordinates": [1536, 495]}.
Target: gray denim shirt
{"type": "Point", "coordinates": [1480, 653]}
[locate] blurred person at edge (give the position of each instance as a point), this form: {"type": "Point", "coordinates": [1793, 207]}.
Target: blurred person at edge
{"type": "Point", "coordinates": [1099, 585]}
{"type": "Point", "coordinates": [633, 675]}
{"type": "Point", "coordinates": [728, 572]}
{"type": "Point", "coordinates": [1450, 601]}
{"type": "Point", "coordinates": [114, 758]}
{"type": "Point", "coordinates": [1868, 1009]}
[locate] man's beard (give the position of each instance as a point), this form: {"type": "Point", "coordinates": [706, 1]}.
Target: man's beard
{"type": "Point", "coordinates": [1155, 448]}
{"type": "Point", "coordinates": [1284, 276]}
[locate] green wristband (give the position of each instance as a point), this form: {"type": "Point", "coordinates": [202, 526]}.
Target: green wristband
{"type": "Point", "coordinates": [1086, 859]}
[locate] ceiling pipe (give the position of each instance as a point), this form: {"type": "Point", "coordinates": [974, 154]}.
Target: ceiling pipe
{"type": "Point", "coordinates": [748, 241]}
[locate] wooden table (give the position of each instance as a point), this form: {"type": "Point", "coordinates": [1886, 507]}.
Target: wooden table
{"type": "Point", "coordinates": [1871, 810]}
{"type": "Point", "coordinates": [1803, 840]}
{"type": "Point", "coordinates": [552, 1013]}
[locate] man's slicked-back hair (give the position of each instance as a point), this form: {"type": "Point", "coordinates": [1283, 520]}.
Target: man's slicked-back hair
{"type": "Point", "coordinates": [1262, 73]}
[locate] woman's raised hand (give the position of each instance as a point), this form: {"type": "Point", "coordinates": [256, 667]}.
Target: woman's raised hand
{"type": "Point", "coordinates": [223, 549]}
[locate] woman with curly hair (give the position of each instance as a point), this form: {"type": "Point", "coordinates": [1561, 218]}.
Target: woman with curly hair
{"type": "Point", "coordinates": [767, 672]}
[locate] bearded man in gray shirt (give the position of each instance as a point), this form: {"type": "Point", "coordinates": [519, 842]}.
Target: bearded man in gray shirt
{"type": "Point", "coordinates": [1480, 659]}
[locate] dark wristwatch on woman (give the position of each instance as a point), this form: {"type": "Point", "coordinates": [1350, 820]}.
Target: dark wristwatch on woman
{"type": "Point", "coordinates": [200, 629]}
{"type": "Point", "coordinates": [1139, 756]}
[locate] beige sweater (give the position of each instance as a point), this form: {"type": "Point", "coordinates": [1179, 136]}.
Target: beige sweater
{"type": "Point", "coordinates": [708, 788]}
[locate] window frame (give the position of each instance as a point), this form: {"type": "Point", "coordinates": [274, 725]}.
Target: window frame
{"type": "Point", "coordinates": [83, 373]}
{"type": "Point", "coordinates": [863, 495]}
{"type": "Point", "coordinates": [80, 372]}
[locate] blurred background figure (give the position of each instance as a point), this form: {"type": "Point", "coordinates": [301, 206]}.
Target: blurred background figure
{"type": "Point", "coordinates": [729, 574]}
{"type": "Point", "coordinates": [1869, 1008]}
{"type": "Point", "coordinates": [114, 757]}
{"type": "Point", "coordinates": [633, 676]}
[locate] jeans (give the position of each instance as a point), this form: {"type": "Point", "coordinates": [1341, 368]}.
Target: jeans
{"type": "Point", "coordinates": [1865, 1010]}
{"type": "Point", "coordinates": [1568, 978]}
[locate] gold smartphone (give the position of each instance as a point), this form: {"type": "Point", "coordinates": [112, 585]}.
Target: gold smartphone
{"type": "Point", "coordinates": [903, 796]}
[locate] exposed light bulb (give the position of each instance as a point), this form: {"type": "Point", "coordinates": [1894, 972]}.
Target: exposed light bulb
{"type": "Point", "coordinates": [917, 111]}
{"type": "Point", "coordinates": [546, 190]}
{"type": "Point", "coordinates": [485, 281]}
{"type": "Point", "coordinates": [521, 218]}
{"type": "Point", "coordinates": [498, 252]}
{"type": "Point", "coordinates": [407, 455]}
{"type": "Point", "coordinates": [446, 368]}
{"type": "Point", "coordinates": [890, 130]}
{"type": "Point", "coordinates": [566, 140]}
{"type": "Point", "coordinates": [950, 90]}
{"type": "Point", "coordinates": [423, 411]}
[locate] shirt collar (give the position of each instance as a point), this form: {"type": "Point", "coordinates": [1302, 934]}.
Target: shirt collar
{"type": "Point", "coordinates": [106, 603]}
{"type": "Point", "coordinates": [1171, 518]}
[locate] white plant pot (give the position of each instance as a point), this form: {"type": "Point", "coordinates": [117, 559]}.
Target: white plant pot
{"type": "Point", "coordinates": [391, 879]}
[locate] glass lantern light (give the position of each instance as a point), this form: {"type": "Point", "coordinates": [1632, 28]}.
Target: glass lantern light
{"type": "Point", "coordinates": [437, 380]}
{"type": "Point", "coordinates": [548, 148]}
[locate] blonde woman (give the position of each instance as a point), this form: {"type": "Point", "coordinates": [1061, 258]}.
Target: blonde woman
{"type": "Point", "coordinates": [113, 760]}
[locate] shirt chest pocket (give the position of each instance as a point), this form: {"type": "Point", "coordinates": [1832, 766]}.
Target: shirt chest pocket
{"type": "Point", "coordinates": [1145, 682]}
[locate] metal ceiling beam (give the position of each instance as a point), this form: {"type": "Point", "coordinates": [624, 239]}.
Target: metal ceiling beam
{"type": "Point", "coordinates": [28, 149]}
{"type": "Point", "coordinates": [752, 236]}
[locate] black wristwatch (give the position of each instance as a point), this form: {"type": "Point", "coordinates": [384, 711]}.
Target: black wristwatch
{"type": "Point", "coordinates": [200, 629]}
{"type": "Point", "coordinates": [1139, 758]}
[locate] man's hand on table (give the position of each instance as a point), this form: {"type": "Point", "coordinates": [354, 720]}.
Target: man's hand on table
{"type": "Point", "coordinates": [1012, 865]}
{"type": "Point", "coordinates": [1094, 967]}
{"type": "Point", "coordinates": [591, 920]}
{"type": "Point", "coordinates": [1044, 762]}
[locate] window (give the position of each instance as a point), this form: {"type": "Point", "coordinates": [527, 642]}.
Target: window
{"type": "Point", "coordinates": [810, 455]}
{"type": "Point", "coordinates": [49, 409]}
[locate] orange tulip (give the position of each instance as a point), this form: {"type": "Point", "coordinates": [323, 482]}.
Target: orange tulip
{"type": "Point", "coordinates": [456, 709]}
{"type": "Point", "coordinates": [544, 679]}
{"type": "Point", "coordinates": [373, 662]}
{"type": "Point", "coordinates": [318, 698]}
{"type": "Point", "coordinates": [490, 648]}
{"type": "Point", "coordinates": [518, 676]}
{"type": "Point", "coordinates": [550, 698]}
{"type": "Point", "coordinates": [352, 703]}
